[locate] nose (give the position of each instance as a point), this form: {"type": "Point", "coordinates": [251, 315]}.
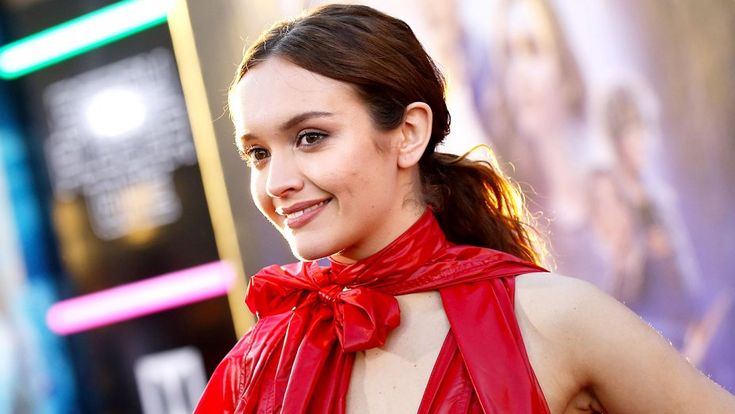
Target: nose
{"type": "Point", "coordinates": [284, 176]}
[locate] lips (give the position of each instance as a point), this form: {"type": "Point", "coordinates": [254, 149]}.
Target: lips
{"type": "Point", "coordinates": [299, 214]}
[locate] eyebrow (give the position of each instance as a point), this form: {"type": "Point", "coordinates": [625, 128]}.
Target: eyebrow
{"type": "Point", "coordinates": [293, 121]}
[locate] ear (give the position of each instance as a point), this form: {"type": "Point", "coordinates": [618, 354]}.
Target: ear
{"type": "Point", "coordinates": [415, 134]}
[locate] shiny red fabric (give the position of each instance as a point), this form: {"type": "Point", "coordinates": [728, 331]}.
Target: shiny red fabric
{"type": "Point", "coordinates": [298, 357]}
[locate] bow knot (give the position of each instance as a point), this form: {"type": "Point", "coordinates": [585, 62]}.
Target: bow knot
{"type": "Point", "coordinates": [364, 317]}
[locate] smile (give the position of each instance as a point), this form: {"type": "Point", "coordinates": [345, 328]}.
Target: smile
{"type": "Point", "coordinates": [306, 210]}
{"type": "Point", "coordinates": [299, 215]}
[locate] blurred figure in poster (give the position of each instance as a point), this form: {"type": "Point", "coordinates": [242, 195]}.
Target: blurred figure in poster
{"type": "Point", "coordinates": [617, 229]}
{"type": "Point", "coordinates": [546, 95]}
{"type": "Point", "coordinates": [651, 261]}
{"type": "Point", "coordinates": [629, 124]}
{"type": "Point", "coordinates": [545, 98]}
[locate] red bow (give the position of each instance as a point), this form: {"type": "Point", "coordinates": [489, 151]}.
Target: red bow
{"type": "Point", "coordinates": [363, 317]}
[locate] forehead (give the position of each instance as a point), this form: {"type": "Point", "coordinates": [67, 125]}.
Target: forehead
{"type": "Point", "coordinates": [276, 90]}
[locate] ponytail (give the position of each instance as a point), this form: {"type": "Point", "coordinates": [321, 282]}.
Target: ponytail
{"type": "Point", "coordinates": [476, 205]}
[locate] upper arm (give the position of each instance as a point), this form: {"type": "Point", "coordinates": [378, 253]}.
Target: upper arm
{"type": "Point", "coordinates": [627, 365]}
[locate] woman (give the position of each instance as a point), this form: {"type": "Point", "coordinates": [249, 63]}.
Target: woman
{"type": "Point", "coordinates": [430, 300]}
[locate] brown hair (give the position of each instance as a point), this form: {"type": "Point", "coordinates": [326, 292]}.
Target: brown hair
{"type": "Point", "coordinates": [381, 58]}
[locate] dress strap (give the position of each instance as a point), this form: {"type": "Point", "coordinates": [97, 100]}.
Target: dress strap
{"type": "Point", "coordinates": [483, 366]}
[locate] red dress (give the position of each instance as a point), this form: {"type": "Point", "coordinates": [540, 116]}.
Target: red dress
{"type": "Point", "coordinates": [298, 357]}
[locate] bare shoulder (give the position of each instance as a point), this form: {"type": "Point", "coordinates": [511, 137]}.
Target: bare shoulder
{"type": "Point", "coordinates": [533, 284]}
{"type": "Point", "coordinates": [628, 366]}
{"type": "Point", "coordinates": [553, 303]}
{"type": "Point", "coordinates": [541, 286]}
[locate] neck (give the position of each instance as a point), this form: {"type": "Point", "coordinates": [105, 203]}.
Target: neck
{"type": "Point", "coordinates": [402, 221]}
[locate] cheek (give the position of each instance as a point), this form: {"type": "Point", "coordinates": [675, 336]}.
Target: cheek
{"type": "Point", "coordinates": [539, 78]}
{"type": "Point", "coordinates": [373, 191]}
{"type": "Point", "coordinates": [334, 170]}
{"type": "Point", "coordinates": [523, 79]}
{"type": "Point", "coordinates": [348, 183]}
{"type": "Point", "coordinates": [547, 72]}
{"type": "Point", "coordinates": [633, 146]}
{"type": "Point", "coordinates": [258, 194]}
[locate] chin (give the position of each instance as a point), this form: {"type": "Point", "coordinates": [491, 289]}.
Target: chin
{"type": "Point", "coordinates": [310, 253]}
{"type": "Point", "coordinates": [306, 258]}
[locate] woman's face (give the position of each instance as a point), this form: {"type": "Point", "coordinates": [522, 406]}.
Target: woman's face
{"type": "Point", "coordinates": [320, 170]}
{"type": "Point", "coordinates": [534, 79]}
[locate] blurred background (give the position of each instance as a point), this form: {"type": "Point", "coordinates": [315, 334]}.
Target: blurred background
{"type": "Point", "coordinates": [126, 229]}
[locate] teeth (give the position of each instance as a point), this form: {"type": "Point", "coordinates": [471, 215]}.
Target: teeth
{"type": "Point", "coordinates": [300, 213]}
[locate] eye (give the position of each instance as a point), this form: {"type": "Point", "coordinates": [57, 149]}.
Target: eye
{"type": "Point", "coordinates": [310, 138]}
{"type": "Point", "coordinates": [254, 155]}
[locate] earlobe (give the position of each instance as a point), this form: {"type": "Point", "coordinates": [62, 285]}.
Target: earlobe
{"type": "Point", "coordinates": [416, 132]}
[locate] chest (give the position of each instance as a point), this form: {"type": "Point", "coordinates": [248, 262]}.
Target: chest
{"type": "Point", "coordinates": [393, 379]}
